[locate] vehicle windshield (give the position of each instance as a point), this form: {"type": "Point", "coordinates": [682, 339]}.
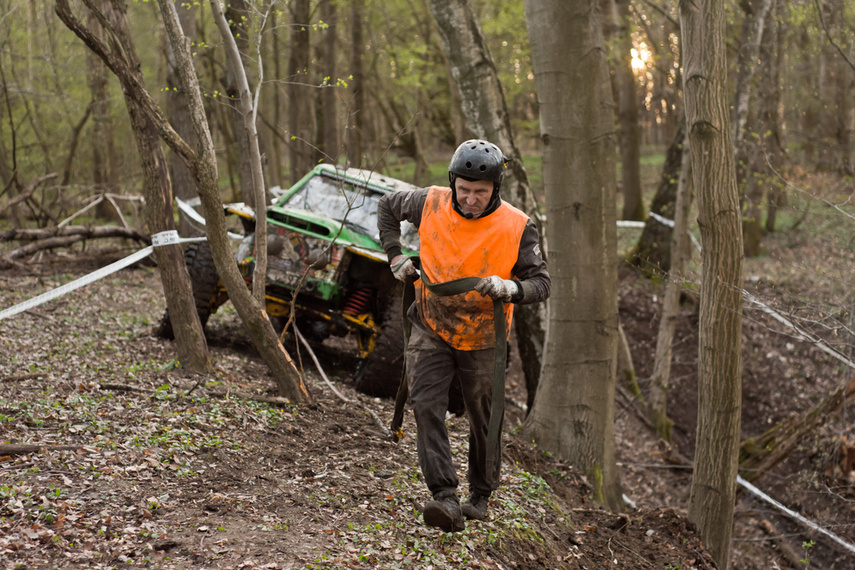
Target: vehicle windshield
{"type": "Point", "coordinates": [342, 201]}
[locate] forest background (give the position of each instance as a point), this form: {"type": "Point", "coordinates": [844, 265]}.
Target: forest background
{"type": "Point", "coordinates": [368, 84]}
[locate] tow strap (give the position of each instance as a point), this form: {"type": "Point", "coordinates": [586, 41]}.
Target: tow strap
{"type": "Point", "coordinates": [497, 405]}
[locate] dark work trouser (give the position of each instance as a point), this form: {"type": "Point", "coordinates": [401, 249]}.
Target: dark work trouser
{"type": "Point", "coordinates": [431, 366]}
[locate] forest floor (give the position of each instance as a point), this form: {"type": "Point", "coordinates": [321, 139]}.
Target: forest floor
{"type": "Point", "coordinates": [143, 465]}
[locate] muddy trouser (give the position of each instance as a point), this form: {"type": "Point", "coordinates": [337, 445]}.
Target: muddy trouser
{"type": "Point", "coordinates": [431, 366]}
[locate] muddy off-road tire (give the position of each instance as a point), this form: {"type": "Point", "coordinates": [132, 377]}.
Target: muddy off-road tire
{"type": "Point", "coordinates": [381, 374]}
{"type": "Point", "coordinates": [204, 279]}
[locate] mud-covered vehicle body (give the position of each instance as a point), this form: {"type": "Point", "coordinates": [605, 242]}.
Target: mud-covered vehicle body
{"type": "Point", "coordinates": [325, 258]}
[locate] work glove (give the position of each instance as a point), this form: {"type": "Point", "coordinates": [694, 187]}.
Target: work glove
{"type": "Point", "coordinates": [497, 288]}
{"type": "Point", "coordinates": [402, 267]}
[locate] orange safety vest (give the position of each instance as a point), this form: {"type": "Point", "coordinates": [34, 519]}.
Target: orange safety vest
{"type": "Point", "coordinates": [453, 247]}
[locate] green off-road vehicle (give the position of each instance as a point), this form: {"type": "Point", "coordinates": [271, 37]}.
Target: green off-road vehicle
{"type": "Point", "coordinates": [323, 242]}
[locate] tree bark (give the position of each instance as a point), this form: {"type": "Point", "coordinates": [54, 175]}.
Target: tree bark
{"type": "Point", "coordinates": [486, 114]}
{"type": "Point", "coordinates": [238, 16]}
{"type": "Point", "coordinates": [329, 115]}
{"type": "Point", "coordinates": [176, 108]}
{"type": "Point", "coordinates": [246, 130]}
{"type": "Point", "coordinates": [573, 412]}
{"type": "Point", "coordinates": [753, 26]}
{"type": "Point", "coordinates": [713, 487]}
{"type": "Point", "coordinates": [103, 149]}
{"type": "Point", "coordinates": [769, 116]}
{"type": "Point", "coordinates": [299, 98]}
{"type": "Point", "coordinates": [652, 251]}
{"type": "Point", "coordinates": [630, 130]}
{"type": "Point", "coordinates": [680, 254]}
{"type": "Point", "coordinates": [189, 337]}
{"type": "Point", "coordinates": [356, 114]}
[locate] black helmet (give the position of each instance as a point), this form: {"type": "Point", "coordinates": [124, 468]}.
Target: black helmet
{"type": "Point", "coordinates": [478, 159]}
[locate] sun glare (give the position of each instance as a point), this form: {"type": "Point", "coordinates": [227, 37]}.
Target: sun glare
{"type": "Point", "coordinates": [640, 57]}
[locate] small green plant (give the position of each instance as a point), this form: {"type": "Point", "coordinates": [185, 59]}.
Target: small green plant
{"type": "Point", "coordinates": [806, 546]}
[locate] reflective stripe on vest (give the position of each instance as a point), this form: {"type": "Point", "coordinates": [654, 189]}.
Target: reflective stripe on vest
{"type": "Point", "coordinates": [453, 247]}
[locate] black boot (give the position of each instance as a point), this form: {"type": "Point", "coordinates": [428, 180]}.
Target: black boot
{"type": "Point", "coordinates": [475, 506]}
{"type": "Point", "coordinates": [445, 514]}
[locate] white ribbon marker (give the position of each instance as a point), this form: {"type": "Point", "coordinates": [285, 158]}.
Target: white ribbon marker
{"type": "Point", "coordinates": [160, 239]}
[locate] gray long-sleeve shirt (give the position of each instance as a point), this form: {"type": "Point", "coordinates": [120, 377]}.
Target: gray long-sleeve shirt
{"type": "Point", "coordinates": [529, 270]}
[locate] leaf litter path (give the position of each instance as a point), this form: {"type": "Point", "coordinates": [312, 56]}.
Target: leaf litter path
{"type": "Point", "coordinates": [174, 472]}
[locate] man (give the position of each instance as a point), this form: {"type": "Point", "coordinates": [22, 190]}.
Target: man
{"type": "Point", "coordinates": [465, 231]}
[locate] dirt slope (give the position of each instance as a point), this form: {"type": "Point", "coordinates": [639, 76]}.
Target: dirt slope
{"type": "Point", "coordinates": [172, 471]}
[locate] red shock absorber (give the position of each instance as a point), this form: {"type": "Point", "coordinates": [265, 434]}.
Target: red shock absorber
{"type": "Point", "coordinates": [358, 301]}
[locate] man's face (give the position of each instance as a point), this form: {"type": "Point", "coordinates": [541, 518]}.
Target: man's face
{"type": "Point", "coordinates": [473, 196]}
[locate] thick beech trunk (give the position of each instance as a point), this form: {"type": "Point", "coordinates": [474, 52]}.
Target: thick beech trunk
{"type": "Point", "coordinates": [573, 412]}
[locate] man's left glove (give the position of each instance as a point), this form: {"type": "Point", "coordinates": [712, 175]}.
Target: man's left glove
{"type": "Point", "coordinates": [497, 288]}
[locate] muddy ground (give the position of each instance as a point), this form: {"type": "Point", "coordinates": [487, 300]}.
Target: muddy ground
{"type": "Point", "coordinates": [144, 466]}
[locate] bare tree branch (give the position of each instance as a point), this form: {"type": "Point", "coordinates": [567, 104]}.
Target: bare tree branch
{"type": "Point", "coordinates": [828, 35]}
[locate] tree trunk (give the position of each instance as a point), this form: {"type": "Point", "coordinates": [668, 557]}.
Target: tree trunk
{"type": "Point", "coordinates": [329, 116]}
{"type": "Point", "coordinates": [356, 113]}
{"type": "Point", "coordinates": [573, 412]}
{"type": "Point", "coordinates": [157, 187]}
{"type": "Point", "coordinates": [247, 131]}
{"type": "Point", "coordinates": [719, 352]}
{"type": "Point", "coordinates": [103, 150]}
{"type": "Point", "coordinates": [299, 97]}
{"type": "Point", "coordinates": [768, 114]}
{"type": "Point", "coordinates": [834, 75]}
{"type": "Point", "coordinates": [486, 115]}
{"type": "Point", "coordinates": [276, 171]}
{"type": "Point", "coordinates": [680, 254]}
{"type": "Point", "coordinates": [753, 26]}
{"type": "Point", "coordinates": [203, 165]}
{"type": "Point", "coordinates": [652, 251]}
{"type": "Point", "coordinates": [179, 116]}
{"type": "Point", "coordinates": [238, 16]}
{"type": "Point", "coordinates": [630, 130]}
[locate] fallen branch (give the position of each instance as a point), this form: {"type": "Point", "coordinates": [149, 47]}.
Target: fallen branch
{"type": "Point", "coordinates": [28, 191]}
{"type": "Point", "coordinates": [311, 352]}
{"type": "Point", "coordinates": [19, 377]}
{"type": "Point", "coordinates": [66, 240]}
{"type": "Point", "coordinates": [759, 455]}
{"type": "Point", "coordinates": [26, 448]}
{"type": "Point", "coordinates": [86, 232]}
{"type": "Point", "coordinates": [124, 388]}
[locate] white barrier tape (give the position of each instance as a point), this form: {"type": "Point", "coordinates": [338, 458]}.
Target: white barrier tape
{"type": "Point", "coordinates": [77, 284]}
{"type": "Point", "coordinates": [165, 238]}
{"type": "Point", "coordinates": [168, 237]}
{"type": "Point", "coordinates": [794, 514]}
{"type": "Point", "coordinates": [196, 217]}
{"type": "Point", "coordinates": [662, 220]}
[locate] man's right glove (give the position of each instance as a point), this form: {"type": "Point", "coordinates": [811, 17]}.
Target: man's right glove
{"type": "Point", "coordinates": [402, 267]}
{"type": "Point", "coordinates": [497, 288]}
